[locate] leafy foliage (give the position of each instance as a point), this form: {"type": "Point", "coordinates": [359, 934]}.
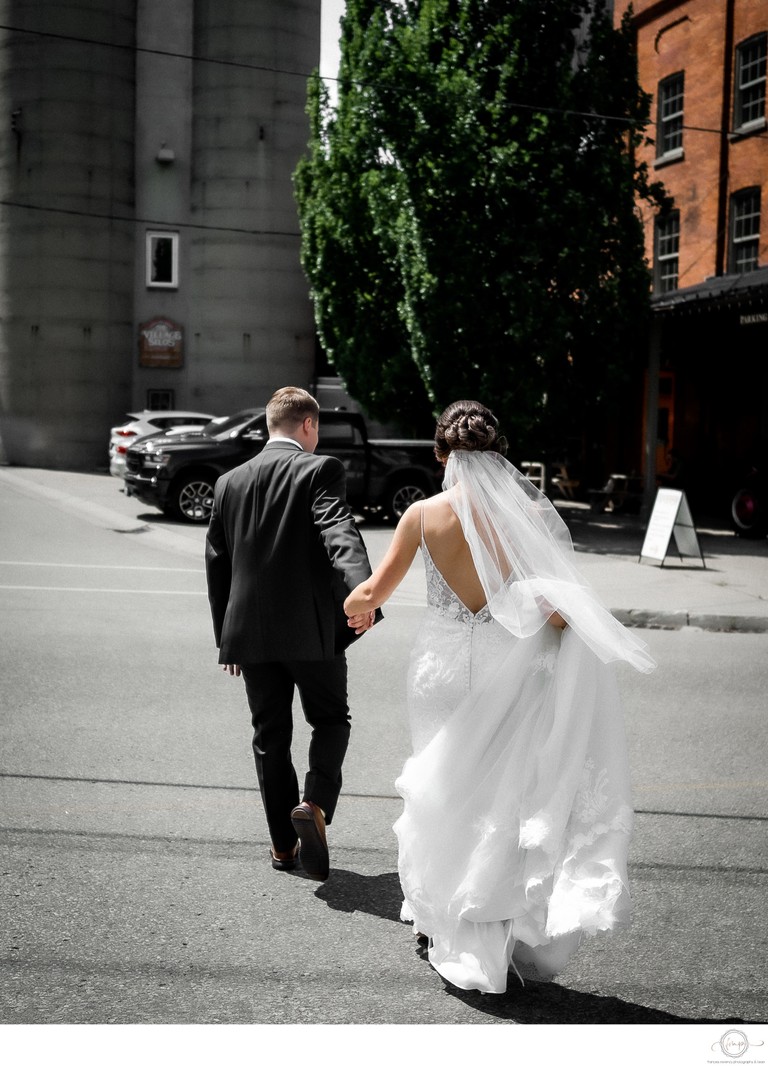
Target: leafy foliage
{"type": "Point", "coordinates": [468, 217]}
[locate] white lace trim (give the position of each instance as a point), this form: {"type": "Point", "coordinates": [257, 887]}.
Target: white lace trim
{"type": "Point", "coordinates": [442, 599]}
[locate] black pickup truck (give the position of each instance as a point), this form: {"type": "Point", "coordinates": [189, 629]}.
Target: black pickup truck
{"type": "Point", "coordinates": [177, 473]}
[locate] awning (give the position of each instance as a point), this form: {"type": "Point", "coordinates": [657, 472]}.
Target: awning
{"type": "Point", "coordinates": [743, 292]}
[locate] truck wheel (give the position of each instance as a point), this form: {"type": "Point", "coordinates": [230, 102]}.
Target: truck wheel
{"type": "Point", "coordinates": [191, 498]}
{"type": "Point", "coordinates": [746, 517]}
{"type": "Point", "coordinates": [400, 496]}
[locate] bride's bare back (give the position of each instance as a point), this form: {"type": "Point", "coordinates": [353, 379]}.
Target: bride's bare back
{"type": "Point", "coordinates": [449, 550]}
{"type": "Point", "coordinates": [444, 538]}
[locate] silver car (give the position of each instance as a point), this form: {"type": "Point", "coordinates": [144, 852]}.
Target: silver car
{"type": "Point", "coordinates": [142, 423]}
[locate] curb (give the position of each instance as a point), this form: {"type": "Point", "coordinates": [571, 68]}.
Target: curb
{"type": "Point", "coordinates": [678, 620]}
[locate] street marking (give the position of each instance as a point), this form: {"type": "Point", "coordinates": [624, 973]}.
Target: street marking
{"type": "Point", "coordinates": [101, 566]}
{"type": "Point", "coordinates": [393, 601]}
{"type": "Point", "coordinates": [399, 600]}
{"type": "Point", "coordinates": [96, 589]}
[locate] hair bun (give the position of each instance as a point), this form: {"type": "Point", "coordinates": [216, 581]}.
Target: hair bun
{"type": "Point", "coordinates": [467, 426]}
{"type": "Point", "coordinates": [473, 433]}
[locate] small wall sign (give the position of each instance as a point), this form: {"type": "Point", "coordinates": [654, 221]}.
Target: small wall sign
{"type": "Point", "coordinates": [161, 344]}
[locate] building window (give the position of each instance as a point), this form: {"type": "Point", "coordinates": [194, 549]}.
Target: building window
{"type": "Point", "coordinates": [670, 117]}
{"type": "Point", "coordinates": [745, 231]}
{"type": "Point", "coordinates": [162, 260]}
{"type": "Point", "coordinates": [750, 81]}
{"type": "Point", "coordinates": [667, 252]}
{"type": "Point", "coordinates": [160, 399]}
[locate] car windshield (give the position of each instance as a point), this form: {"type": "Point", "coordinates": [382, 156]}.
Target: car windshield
{"type": "Point", "coordinates": [221, 430]}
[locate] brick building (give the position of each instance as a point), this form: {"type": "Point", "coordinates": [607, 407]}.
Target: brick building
{"type": "Point", "coordinates": [704, 62]}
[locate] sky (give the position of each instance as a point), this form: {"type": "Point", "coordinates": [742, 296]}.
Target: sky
{"type": "Point", "coordinates": [330, 13]}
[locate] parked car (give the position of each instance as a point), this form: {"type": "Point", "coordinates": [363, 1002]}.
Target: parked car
{"type": "Point", "coordinates": [142, 423]}
{"type": "Point", "coordinates": [177, 473]}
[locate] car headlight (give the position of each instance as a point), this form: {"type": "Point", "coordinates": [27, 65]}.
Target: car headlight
{"type": "Point", "coordinates": [155, 460]}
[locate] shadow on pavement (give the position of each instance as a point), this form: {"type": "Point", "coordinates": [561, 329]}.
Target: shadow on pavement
{"type": "Point", "coordinates": [540, 1002]}
{"type": "Point", "coordinates": [159, 518]}
{"type": "Point", "coordinates": [622, 535]}
{"type": "Point", "coordinates": [377, 894]}
{"type": "Point", "coordinates": [536, 1002]}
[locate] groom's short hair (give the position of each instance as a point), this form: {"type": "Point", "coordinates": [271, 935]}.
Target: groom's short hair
{"type": "Point", "coordinates": [288, 407]}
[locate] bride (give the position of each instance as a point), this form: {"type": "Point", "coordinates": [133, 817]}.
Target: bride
{"type": "Point", "coordinates": [517, 813]}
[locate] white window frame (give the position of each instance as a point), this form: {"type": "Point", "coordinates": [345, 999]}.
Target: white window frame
{"type": "Point", "coordinates": [743, 212]}
{"type": "Point", "coordinates": [665, 122]}
{"type": "Point", "coordinates": [153, 237]}
{"type": "Point", "coordinates": [666, 258]}
{"type": "Point", "coordinates": [741, 86]}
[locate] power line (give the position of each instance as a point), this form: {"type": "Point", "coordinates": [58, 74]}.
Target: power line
{"type": "Point", "coordinates": [191, 57]}
{"type": "Point", "coordinates": [156, 51]}
{"type": "Point", "coordinates": [158, 223]}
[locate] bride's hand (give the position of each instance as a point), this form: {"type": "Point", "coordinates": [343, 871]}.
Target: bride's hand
{"type": "Point", "coordinates": [362, 622]}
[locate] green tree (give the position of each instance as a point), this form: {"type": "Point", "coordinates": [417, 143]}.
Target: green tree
{"type": "Point", "coordinates": [468, 210]}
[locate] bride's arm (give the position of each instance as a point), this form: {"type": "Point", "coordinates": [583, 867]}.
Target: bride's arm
{"type": "Point", "coordinates": [554, 618]}
{"type": "Point", "coordinates": [377, 589]}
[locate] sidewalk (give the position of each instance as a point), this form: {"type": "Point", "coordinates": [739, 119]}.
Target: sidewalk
{"type": "Point", "coordinates": [730, 593]}
{"type": "Point", "coordinates": [727, 592]}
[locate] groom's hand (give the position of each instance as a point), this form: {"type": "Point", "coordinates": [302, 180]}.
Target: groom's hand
{"type": "Point", "coordinates": [232, 668]}
{"type": "Point", "coordinates": [362, 622]}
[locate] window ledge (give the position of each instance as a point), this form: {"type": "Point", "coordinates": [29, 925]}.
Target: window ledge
{"type": "Point", "coordinates": [755, 126]}
{"type": "Point", "coordinates": [675, 156]}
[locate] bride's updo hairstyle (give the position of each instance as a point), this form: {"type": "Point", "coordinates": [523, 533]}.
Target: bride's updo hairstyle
{"type": "Point", "coordinates": [470, 427]}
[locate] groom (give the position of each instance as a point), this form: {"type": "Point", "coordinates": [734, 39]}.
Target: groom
{"type": "Point", "coordinates": [282, 553]}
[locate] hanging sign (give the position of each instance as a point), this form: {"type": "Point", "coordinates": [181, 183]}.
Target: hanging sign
{"type": "Point", "coordinates": [161, 344]}
{"type": "Point", "coordinates": [671, 516]}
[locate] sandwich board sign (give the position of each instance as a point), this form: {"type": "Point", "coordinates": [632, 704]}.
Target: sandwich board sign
{"type": "Point", "coordinates": [671, 516]}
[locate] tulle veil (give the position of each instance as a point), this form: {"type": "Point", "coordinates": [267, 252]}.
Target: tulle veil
{"type": "Point", "coordinates": [524, 557]}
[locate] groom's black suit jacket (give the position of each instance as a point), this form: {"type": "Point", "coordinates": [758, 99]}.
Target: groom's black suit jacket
{"type": "Point", "coordinates": [282, 553]}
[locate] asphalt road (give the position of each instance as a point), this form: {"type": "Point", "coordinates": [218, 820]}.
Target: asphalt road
{"type": "Point", "coordinates": [135, 887]}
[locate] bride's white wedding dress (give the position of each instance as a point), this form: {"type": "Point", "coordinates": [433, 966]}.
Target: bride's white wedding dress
{"type": "Point", "coordinates": [517, 812]}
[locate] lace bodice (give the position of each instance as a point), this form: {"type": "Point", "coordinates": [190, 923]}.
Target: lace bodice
{"type": "Point", "coordinates": [442, 599]}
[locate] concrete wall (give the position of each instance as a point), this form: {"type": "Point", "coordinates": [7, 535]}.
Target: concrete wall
{"type": "Point", "coordinates": [114, 141]}
{"type": "Point", "coordinates": [163, 180]}
{"type": "Point", "coordinates": [251, 322]}
{"type": "Point", "coordinates": [66, 261]}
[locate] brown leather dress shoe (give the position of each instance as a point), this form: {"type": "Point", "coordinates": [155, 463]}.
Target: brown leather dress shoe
{"type": "Point", "coordinates": [284, 861]}
{"type": "Point", "coordinates": [309, 824]}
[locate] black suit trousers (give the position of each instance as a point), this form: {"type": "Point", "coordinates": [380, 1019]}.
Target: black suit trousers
{"type": "Point", "coordinates": [322, 686]}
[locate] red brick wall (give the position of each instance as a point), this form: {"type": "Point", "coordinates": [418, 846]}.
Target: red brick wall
{"type": "Point", "coordinates": [690, 36]}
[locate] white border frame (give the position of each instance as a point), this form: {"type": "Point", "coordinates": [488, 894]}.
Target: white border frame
{"type": "Point", "coordinates": [151, 238]}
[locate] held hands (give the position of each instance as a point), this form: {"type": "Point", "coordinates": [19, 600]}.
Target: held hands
{"type": "Point", "coordinates": [361, 622]}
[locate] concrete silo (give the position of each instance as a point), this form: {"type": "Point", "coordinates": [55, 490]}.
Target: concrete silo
{"type": "Point", "coordinates": [145, 174]}
{"type": "Point", "coordinates": [252, 328]}
{"type": "Point", "coordinates": [66, 239]}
